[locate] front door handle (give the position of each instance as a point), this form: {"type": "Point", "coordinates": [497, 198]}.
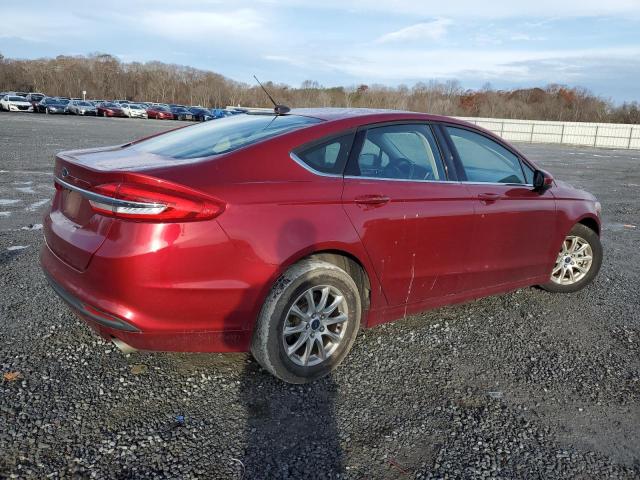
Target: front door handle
{"type": "Point", "coordinates": [488, 197]}
{"type": "Point", "coordinates": [372, 200]}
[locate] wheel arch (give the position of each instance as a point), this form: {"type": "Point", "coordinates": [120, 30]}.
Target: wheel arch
{"type": "Point", "coordinates": [353, 266]}
{"type": "Point", "coordinates": [345, 258]}
{"type": "Point", "coordinates": [590, 222]}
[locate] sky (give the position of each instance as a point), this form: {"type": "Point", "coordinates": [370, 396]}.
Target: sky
{"type": "Point", "coordinates": [593, 44]}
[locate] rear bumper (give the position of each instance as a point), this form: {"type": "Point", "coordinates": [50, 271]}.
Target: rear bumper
{"type": "Point", "coordinates": [166, 298]}
{"type": "Point", "coordinates": [92, 314]}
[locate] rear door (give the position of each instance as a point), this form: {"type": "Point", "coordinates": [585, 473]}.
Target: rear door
{"type": "Point", "coordinates": [514, 225]}
{"type": "Point", "coordinates": [414, 220]}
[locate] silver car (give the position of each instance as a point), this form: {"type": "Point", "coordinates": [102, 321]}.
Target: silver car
{"type": "Point", "coordinates": [81, 107]}
{"type": "Point", "coordinates": [133, 110]}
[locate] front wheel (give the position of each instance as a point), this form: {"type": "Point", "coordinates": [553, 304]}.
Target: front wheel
{"type": "Point", "coordinates": [578, 261]}
{"type": "Point", "coordinates": [308, 322]}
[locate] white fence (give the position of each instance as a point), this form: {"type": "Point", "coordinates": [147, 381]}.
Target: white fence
{"type": "Point", "coordinates": [608, 135]}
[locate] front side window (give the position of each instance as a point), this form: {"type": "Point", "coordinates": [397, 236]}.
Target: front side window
{"type": "Point", "coordinates": [484, 160]}
{"type": "Point", "coordinates": [222, 136]}
{"type": "Point", "coordinates": [329, 156]}
{"type": "Point", "coordinates": [400, 152]}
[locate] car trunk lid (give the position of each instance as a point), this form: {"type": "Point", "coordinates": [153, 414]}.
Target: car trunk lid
{"type": "Point", "coordinates": [72, 229]}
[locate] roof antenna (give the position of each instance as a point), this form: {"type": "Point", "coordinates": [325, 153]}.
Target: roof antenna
{"type": "Point", "coordinates": [279, 109]}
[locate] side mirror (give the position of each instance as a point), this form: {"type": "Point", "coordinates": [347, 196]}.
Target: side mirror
{"type": "Point", "coordinates": [542, 180]}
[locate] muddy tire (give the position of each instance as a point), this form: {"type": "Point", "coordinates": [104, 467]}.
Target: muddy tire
{"type": "Point", "coordinates": [308, 322]}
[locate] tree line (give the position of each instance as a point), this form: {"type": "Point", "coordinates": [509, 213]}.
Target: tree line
{"type": "Point", "coordinates": [104, 76]}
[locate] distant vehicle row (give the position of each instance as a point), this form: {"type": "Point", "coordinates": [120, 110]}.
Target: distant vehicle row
{"type": "Point", "coordinates": [40, 103]}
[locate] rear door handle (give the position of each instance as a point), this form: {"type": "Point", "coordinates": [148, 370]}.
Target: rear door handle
{"type": "Point", "coordinates": [488, 197]}
{"type": "Point", "coordinates": [372, 199]}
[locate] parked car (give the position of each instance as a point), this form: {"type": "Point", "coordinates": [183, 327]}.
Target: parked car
{"type": "Point", "coordinates": [201, 114]}
{"type": "Point", "coordinates": [34, 99]}
{"type": "Point", "coordinates": [52, 105]}
{"type": "Point", "coordinates": [14, 103]}
{"type": "Point", "coordinates": [81, 107]}
{"type": "Point", "coordinates": [109, 109]}
{"type": "Point", "coordinates": [181, 113]}
{"type": "Point", "coordinates": [160, 112]}
{"type": "Point", "coordinates": [133, 110]}
{"type": "Point", "coordinates": [220, 113]}
{"type": "Point", "coordinates": [284, 234]}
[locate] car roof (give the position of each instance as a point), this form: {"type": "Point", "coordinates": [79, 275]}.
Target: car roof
{"type": "Point", "coordinates": [374, 114]}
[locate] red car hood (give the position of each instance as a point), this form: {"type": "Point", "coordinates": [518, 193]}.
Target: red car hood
{"type": "Point", "coordinates": [566, 190]}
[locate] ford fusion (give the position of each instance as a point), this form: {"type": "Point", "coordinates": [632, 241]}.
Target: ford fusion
{"type": "Point", "coordinates": [286, 234]}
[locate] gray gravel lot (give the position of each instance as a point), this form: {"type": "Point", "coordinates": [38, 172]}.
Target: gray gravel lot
{"type": "Point", "coordinates": [525, 385]}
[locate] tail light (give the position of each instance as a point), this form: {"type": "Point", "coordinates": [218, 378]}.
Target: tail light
{"type": "Point", "coordinates": [143, 198]}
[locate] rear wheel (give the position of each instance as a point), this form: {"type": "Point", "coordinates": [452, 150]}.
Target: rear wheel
{"type": "Point", "coordinates": [308, 322]}
{"type": "Point", "coordinates": [578, 261]}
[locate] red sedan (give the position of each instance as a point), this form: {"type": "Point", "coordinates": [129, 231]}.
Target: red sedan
{"type": "Point", "coordinates": [108, 109]}
{"type": "Point", "coordinates": [159, 113]}
{"type": "Point", "coordinates": [285, 234]}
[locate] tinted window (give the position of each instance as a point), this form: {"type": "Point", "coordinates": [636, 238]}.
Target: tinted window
{"type": "Point", "coordinates": [225, 135]}
{"type": "Point", "coordinates": [485, 160]}
{"type": "Point", "coordinates": [403, 152]}
{"type": "Point", "coordinates": [327, 157]}
{"type": "Point", "coordinates": [17, 99]}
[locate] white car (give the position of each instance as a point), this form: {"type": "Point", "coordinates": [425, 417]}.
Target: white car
{"type": "Point", "coordinates": [132, 110]}
{"type": "Point", "coordinates": [13, 103]}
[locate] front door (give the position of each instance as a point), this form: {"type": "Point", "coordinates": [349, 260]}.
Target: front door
{"type": "Point", "coordinates": [515, 225]}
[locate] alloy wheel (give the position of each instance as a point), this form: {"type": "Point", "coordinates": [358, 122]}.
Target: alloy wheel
{"type": "Point", "coordinates": [573, 262]}
{"type": "Point", "coordinates": [315, 325]}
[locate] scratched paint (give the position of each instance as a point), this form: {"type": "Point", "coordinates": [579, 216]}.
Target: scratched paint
{"type": "Point", "coordinates": [413, 276]}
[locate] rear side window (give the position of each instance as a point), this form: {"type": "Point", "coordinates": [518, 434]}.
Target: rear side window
{"type": "Point", "coordinates": [329, 156]}
{"type": "Point", "coordinates": [401, 152]}
{"type": "Point", "coordinates": [222, 136]}
{"type": "Point", "coordinates": [485, 160]}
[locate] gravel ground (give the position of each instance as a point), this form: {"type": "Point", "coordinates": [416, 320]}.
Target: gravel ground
{"type": "Point", "coordinates": [524, 385]}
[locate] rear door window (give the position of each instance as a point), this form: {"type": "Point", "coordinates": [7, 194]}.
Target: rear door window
{"type": "Point", "coordinates": [485, 160]}
{"type": "Point", "coordinates": [400, 152]}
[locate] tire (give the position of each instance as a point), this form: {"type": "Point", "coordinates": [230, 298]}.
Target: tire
{"type": "Point", "coordinates": [268, 342]}
{"type": "Point", "coordinates": [587, 236]}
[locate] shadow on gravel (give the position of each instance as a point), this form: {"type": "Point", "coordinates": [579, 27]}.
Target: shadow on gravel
{"type": "Point", "coordinates": [290, 430]}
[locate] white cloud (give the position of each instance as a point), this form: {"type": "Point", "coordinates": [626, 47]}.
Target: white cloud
{"type": "Point", "coordinates": [475, 9]}
{"type": "Point", "coordinates": [433, 30]}
{"type": "Point", "coordinates": [548, 66]}
{"type": "Point", "coordinates": [240, 24]}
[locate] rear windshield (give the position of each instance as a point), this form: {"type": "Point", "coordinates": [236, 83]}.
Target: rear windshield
{"type": "Point", "coordinates": [222, 136]}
